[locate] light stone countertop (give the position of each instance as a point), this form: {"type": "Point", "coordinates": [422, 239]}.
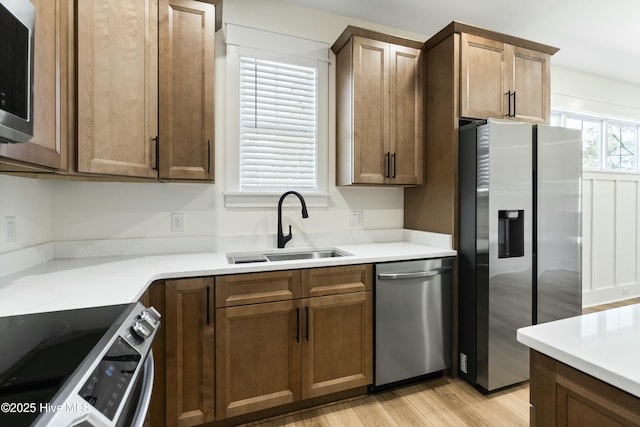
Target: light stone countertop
{"type": "Point", "coordinates": [605, 344]}
{"type": "Point", "coordinates": [62, 284]}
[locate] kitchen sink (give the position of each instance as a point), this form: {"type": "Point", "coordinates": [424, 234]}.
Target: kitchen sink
{"type": "Point", "coordinates": [251, 257]}
{"type": "Point", "coordinates": [331, 253]}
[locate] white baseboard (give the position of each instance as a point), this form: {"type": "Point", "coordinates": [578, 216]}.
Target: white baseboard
{"type": "Point", "coordinates": [610, 294]}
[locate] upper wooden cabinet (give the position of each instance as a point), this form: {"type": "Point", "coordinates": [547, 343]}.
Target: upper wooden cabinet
{"type": "Point", "coordinates": [471, 73]}
{"type": "Point", "coordinates": [117, 61]}
{"type": "Point", "coordinates": [500, 80]}
{"type": "Point", "coordinates": [47, 146]}
{"type": "Point", "coordinates": [137, 62]}
{"type": "Point", "coordinates": [187, 31]}
{"type": "Point", "coordinates": [379, 109]}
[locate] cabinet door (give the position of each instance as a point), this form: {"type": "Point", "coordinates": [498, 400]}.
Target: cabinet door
{"type": "Point", "coordinates": [187, 31]}
{"type": "Point", "coordinates": [155, 296]}
{"type": "Point", "coordinates": [370, 111]}
{"type": "Point", "coordinates": [406, 116]}
{"type": "Point", "coordinates": [483, 83]}
{"type": "Point", "coordinates": [564, 396]}
{"type": "Point", "coordinates": [49, 87]}
{"type": "Point", "coordinates": [337, 343]}
{"type": "Point", "coordinates": [318, 282]}
{"type": "Point", "coordinates": [253, 288]}
{"type": "Point", "coordinates": [117, 65]}
{"type": "Point", "coordinates": [531, 85]}
{"type": "Point", "coordinates": [189, 351]}
{"type": "Point", "coordinates": [257, 357]}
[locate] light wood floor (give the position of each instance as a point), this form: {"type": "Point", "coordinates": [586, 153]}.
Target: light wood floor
{"type": "Point", "coordinates": [611, 305]}
{"type": "Point", "coordinates": [439, 402]}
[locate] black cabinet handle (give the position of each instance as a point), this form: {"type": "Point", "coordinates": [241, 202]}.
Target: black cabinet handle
{"type": "Point", "coordinates": [208, 306]}
{"type": "Point", "coordinates": [394, 165]}
{"type": "Point", "coordinates": [306, 336]}
{"type": "Point", "coordinates": [209, 156]}
{"type": "Point", "coordinates": [297, 324]}
{"type": "Point", "coordinates": [156, 140]}
{"type": "Point", "coordinates": [509, 103]}
{"type": "Point", "coordinates": [514, 103]}
{"type": "Point", "coordinates": [388, 160]}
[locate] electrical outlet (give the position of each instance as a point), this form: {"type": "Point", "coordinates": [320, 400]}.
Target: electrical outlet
{"type": "Point", "coordinates": [177, 222]}
{"type": "Point", "coordinates": [357, 218]}
{"type": "Point", "coordinates": [463, 362]}
{"type": "Point", "coordinates": [10, 229]}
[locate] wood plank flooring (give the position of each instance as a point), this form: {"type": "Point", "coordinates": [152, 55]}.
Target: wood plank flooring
{"type": "Point", "coordinates": [611, 305]}
{"type": "Point", "coordinates": [438, 402]}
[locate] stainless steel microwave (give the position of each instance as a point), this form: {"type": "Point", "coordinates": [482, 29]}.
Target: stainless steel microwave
{"type": "Point", "coordinates": [17, 27]}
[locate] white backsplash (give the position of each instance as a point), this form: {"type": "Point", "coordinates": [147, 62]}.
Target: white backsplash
{"type": "Point", "coordinates": [13, 262]}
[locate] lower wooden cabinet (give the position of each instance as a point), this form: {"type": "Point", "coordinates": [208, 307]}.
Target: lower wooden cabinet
{"type": "Point", "coordinates": [258, 357]}
{"type": "Point", "coordinates": [279, 337]}
{"type": "Point", "coordinates": [564, 396]}
{"type": "Point", "coordinates": [274, 353]}
{"type": "Point", "coordinates": [338, 344]}
{"type": "Point", "coordinates": [184, 353]}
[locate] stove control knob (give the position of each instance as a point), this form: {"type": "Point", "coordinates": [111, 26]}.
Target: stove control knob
{"type": "Point", "coordinates": [147, 323]}
{"type": "Point", "coordinates": [141, 329]}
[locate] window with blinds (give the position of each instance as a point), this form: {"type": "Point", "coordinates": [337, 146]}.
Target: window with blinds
{"type": "Point", "coordinates": [278, 125]}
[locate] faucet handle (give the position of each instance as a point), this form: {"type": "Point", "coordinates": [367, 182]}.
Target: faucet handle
{"type": "Point", "coordinates": [283, 239]}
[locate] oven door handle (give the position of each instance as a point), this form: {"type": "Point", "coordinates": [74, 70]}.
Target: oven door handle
{"type": "Point", "coordinates": [145, 394]}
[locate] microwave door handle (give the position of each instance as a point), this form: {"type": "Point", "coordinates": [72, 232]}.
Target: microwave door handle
{"type": "Point", "coordinates": [145, 394]}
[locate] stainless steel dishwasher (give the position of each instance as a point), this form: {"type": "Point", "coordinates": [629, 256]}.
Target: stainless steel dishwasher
{"type": "Point", "coordinates": [412, 320]}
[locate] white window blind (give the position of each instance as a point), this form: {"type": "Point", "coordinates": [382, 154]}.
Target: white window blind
{"type": "Point", "coordinates": [278, 125]}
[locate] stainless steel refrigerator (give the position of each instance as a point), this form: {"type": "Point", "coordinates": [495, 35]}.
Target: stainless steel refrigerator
{"type": "Point", "coordinates": [519, 241]}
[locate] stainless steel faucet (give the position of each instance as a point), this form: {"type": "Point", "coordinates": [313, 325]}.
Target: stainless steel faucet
{"type": "Point", "coordinates": [282, 239]}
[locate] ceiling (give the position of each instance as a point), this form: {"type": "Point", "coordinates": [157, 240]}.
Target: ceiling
{"type": "Point", "coordinates": [598, 37]}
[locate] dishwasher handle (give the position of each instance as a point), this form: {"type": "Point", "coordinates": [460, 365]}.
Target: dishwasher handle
{"type": "Point", "coordinates": [414, 275]}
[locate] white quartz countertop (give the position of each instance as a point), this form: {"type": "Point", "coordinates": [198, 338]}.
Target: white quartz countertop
{"type": "Point", "coordinates": [63, 284]}
{"type": "Point", "coordinates": [605, 345]}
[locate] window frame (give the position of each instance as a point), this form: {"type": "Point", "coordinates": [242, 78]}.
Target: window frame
{"type": "Point", "coordinates": [313, 166]}
{"type": "Point", "coordinates": [289, 52]}
{"type": "Point", "coordinates": [561, 116]}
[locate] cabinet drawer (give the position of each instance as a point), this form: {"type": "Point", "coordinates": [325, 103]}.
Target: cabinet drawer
{"type": "Point", "coordinates": [253, 288]}
{"type": "Point", "coordinates": [318, 282]}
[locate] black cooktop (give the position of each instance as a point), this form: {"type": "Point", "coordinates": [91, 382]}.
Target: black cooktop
{"type": "Point", "coordinates": [39, 352]}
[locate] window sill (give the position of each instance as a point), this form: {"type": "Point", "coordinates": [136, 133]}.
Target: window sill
{"type": "Point", "coordinates": [270, 200]}
{"type": "Point", "coordinates": [610, 174]}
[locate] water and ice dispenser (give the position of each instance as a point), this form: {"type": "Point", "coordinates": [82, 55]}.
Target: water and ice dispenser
{"type": "Point", "coordinates": [510, 233]}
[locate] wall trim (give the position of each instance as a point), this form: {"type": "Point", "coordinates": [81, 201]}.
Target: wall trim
{"type": "Point", "coordinates": [610, 294]}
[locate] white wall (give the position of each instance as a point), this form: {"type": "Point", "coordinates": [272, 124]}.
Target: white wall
{"type": "Point", "coordinates": [611, 237]}
{"type": "Point", "coordinates": [611, 201]}
{"type": "Point", "coordinates": [30, 202]}
{"type": "Point", "coordinates": [69, 210]}
{"type": "Point", "coordinates": [88, 210]}
{"type": "Point", "coordinates": [61, 210]}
